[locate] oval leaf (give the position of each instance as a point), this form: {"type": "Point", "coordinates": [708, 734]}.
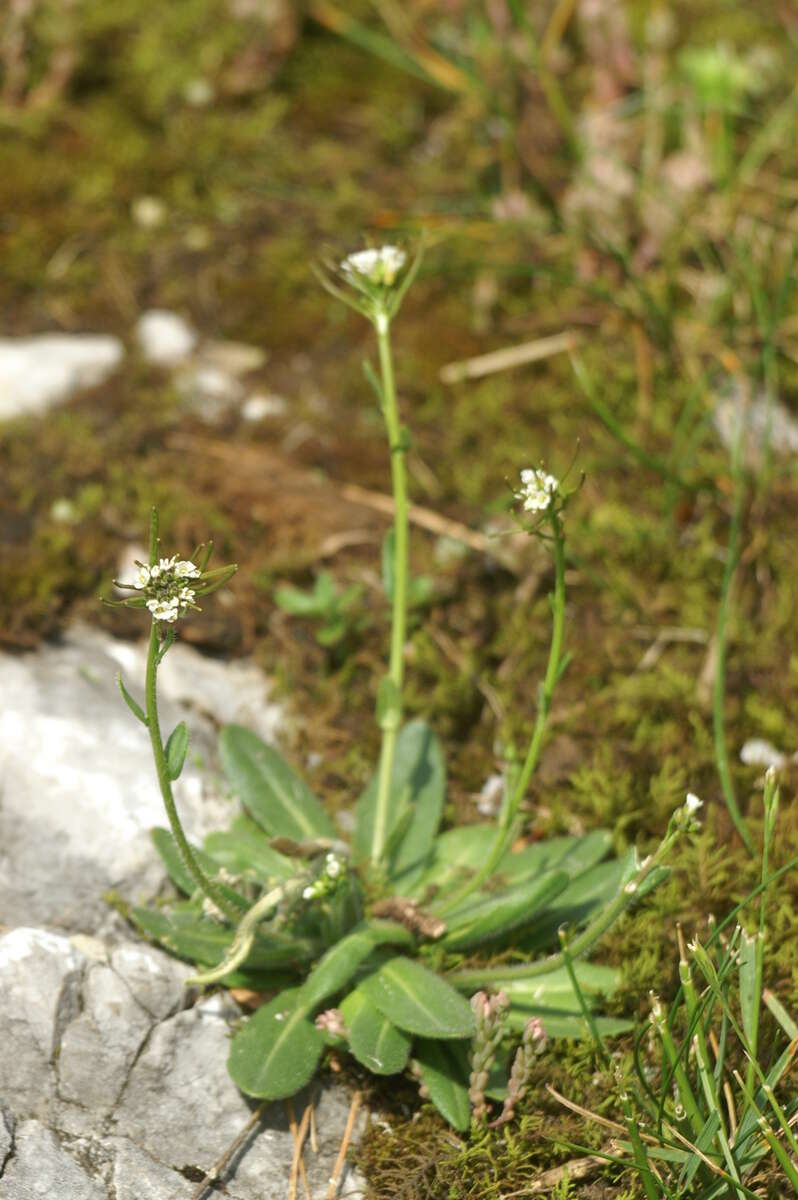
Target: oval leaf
{"type": "Point", "coordinates": [585, 894]}
{"type": "Point", "coordinates": [245, 847]}
{"type": "Point", "coordinates": [445, 1069]}
{"type": "Point", "coordinates": [175, 750]}
{"type": "Point", "coordinates": [456, 855]}
{"type": "Point", "coordinates": [418, 1000]}
{"type": "Point", "coordinates": [341, 961]}
{"type": "Point", "coordinates": [373, 1039]}
{"type": "Point", "coordinates": [489, 917]}
{"type": "Point", "coordinates": [418, 781]}
{"type": "Point", "coordinates": [571, 854]}
{"type": "Point", "coordinates": [270, 790]}
{"type": "Point", "coordinates": [277, 1051]}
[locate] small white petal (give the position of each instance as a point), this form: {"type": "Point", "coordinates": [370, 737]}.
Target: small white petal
{"type": "Point", "coordinates": [692, 803]}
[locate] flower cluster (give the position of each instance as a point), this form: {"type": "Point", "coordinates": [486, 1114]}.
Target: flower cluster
{"type": "Point", "coordinates": [380, 266]}
{"type": "Point", "coordinates": [331, 875]}
{"type": "Point", "coordinates": [164, 585]}
{"type": "Point", "coordinates": [537, 490]}
{"type": "Point", "coordinates": [489, 1013]}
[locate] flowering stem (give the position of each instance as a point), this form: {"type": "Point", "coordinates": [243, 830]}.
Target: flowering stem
{"type": "Point", "coordinates": [205, 885]}
{"type": "Point", "coordinates": [553, 672]}
{"type": "Point", "coordinates": [390, 719]}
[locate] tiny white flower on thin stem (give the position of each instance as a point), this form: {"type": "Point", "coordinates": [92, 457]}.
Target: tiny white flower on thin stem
{"type": "Point", "coordinates": [537, 490]}
{"type": "Point", "coordinates": [692, 803]}
{"type": "Point", "coordinates": [142, 577]}
{"type": "Point", "coordinates": [380, 266]}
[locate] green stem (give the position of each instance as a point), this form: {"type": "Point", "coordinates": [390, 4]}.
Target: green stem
{"type": "Point", "coordinates": [205, 885]}
{"type": "Point", "coordinates": [719, 687]}
{"type": "Point", "coordinates": [553, 672]}
{"type": "Point", "coordinates": [391, 720]}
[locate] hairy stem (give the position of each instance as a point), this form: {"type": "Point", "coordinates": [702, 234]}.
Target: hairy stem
{"type": "Point", "coordinates": [553, 672]}
{"type": "Point", "coordinates": [208, 888]}
{"type": "Point", "coordinates": [392, 720]}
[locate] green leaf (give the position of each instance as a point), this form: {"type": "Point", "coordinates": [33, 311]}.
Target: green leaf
{"type": "Point", "coordinates": [373, 1039]}
{"type": "Point", "coordinates": [134, 707]}
{"type": "Point", "coordinates": [418, 778]}
{"type": "Point", "coordinates": [277, 1051]}
{"type": "Point", "coordinates": [418, 1000]}
{"type": "Point", "coordinates": [270, 790]}
{"type": "Point", "coordinates": [588, 892]}
{"type": "Point", "coordinates": [554, 990]}
{"type": "Point", "coordinates": [245, 848]}
{"type": "Point", "coordinates": [445, 1069]}
{"type": "Point", "coordinates": [332, 633]}
{"type": "Point", "coordinates": [568, 1025]}
{"type": "Point", "coordinates": [341, 962]}
{"type": "Point", "coordinates": [456, 853]}
{"type": "Point", "coordinates": [571, 854]}
{"type": "Point", "coordinates": [201, 940]}
{"type": "Point", "coordinates": [175, 750]}
{"type": "Point", "coordinates": [177, 870]}
{"type": "Point", "coordinates": [296, 602]}
{"type": "Point", "coordinates": [488, 917]}
{"type": "Point", "coordinates": [749, 1000]}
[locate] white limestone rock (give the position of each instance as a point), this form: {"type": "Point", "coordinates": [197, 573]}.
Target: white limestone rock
{"type": "Point", "coordinates": [78, 790]}
{"type": "Point", "coordinates": [39, 372]}
{"type": "Point", "coordinates": [165, 338]}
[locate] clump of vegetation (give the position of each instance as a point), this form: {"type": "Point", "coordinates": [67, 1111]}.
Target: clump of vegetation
{"type": "Point", "coordinates": [379, 928]}
{"type": "Point", "coordinates": [615, 180]}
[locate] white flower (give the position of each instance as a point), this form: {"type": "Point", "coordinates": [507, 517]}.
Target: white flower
{"type": "Point", "coordinates": [308, 893]}
{"type": "Point", "coordinates": [692, 803]}
{"type": "Point", "coordinates": [142, 577]}
{"type": "Point", "coordinates": [333, 867]}
{"type": "Point", "coordinates": [378, 266]}
{"type": "Point", "coordinates": [537, 490]}
{"type": "Point", "coordinates": [186, 595]}
{"type": "Point", "coordinates": [164, 610]}
{"type": "Point", "coordinates": [166, 564]}
{"type": "Point", "coordinates": [184, 569]}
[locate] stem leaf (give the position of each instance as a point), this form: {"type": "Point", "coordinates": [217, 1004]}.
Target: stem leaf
{"type": "Point", "coordinates": [176, 749]}
{"type": "Point", "coordinates": [134, 707]}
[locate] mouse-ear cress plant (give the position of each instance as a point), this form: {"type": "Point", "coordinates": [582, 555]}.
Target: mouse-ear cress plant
{"type": "Point", "coordinates": [408, 946]}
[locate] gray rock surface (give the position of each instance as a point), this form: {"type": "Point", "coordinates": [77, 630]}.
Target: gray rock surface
{"type": "Point", "coordinates": [113, 1079]}
{"type": "Point", "coordinates": [38, 372]}
{"type": "Point", "coordinates": [78, 793]}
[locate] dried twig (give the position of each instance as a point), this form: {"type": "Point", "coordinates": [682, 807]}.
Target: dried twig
{"type": "Point", "coordinates": [297, 1162]}
{"type": "Point", "coordinates": [345, 1140]}
{"type": "Point", "coordinates": [576, 1168]}
{"type": "Point", "coordinates": [236, 1145]}
{"type": "Point", "coordinates": [510, 356]}
{"type": "Point", "coordinates": [427, 519]}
